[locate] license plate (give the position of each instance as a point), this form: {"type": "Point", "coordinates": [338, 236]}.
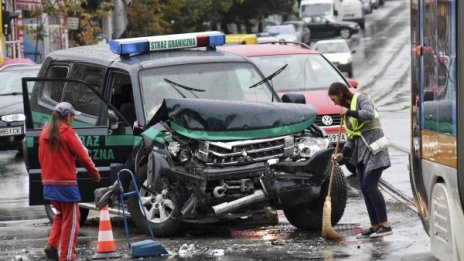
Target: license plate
{"type": "Point", "coordinates": [11, 131]}
{"type": "Point", "coordinates": [349, 15]}
{"type": "Point", "coordinates": [333, 137]}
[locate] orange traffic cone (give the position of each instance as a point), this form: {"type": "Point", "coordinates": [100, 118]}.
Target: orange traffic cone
{"type": "Point", "coordinates": [106, 248]}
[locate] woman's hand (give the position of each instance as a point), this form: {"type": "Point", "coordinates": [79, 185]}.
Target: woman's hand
{"type": "Point", "coordinates": [343, 111]}
{"type": "Point", "coordinates": [337, 157]}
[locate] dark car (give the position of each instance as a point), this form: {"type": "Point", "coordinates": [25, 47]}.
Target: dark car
{"type": "Point", "coordinates": [323, 27]}
{"type": "Point", "coordinates": [205, 135]}
{"type": "Point", "coordinates": [11, 110]}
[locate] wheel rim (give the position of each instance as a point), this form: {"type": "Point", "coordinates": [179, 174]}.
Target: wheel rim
{"type": "Point", "coordinates": [345, 33]}
{"type": "Point", "coordinates": [158, 207]}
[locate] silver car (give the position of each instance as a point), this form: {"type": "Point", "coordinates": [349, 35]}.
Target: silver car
{"type": "Point", "coordinates": [303, 34]}
{"type": "Point", "coordinates": [338, 53]}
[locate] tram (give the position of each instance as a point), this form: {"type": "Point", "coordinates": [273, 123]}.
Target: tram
{"type": "Point", "coordinates": [437, 122]}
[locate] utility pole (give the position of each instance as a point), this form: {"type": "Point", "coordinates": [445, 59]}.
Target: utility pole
{"type": "Point", "coordinates": [2, 42]}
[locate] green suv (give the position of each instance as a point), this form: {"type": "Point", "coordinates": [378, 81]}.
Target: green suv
{"type": "Point", "coordinates": [201, 129]}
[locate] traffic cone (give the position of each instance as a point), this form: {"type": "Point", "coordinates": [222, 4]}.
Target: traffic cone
{"type": "Point", "coordinates": [106, 247]}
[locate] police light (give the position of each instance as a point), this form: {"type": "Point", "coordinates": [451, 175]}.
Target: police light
{"type": "Point", "coordinates": [167, 42]}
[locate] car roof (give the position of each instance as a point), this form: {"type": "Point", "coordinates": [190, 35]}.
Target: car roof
{"type": "Point", "coordinates": [268, 49]}
{"type": "Point", "coordinates": [102, 55]}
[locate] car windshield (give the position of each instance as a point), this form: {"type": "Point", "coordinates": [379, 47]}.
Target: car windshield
{"type": "Point", "coordinates": [11, 80]}
{"type": "Point", "coordinates": [332, 47]}
{"type": "Point", "coordinates": [215, 81]}
{"type": "Point", "coordinates": [304, 71]}
{"type": "Point", "coordinates": [315, 9]}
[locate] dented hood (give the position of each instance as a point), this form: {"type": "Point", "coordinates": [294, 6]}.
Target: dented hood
{"type": "Point", "coordinates": [233, 120]}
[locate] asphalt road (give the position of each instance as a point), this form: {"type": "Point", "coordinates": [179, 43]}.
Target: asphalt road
{"type": "Point", "coordinates": [382, 68]}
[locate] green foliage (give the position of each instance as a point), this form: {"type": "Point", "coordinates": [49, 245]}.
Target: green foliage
{"type": "Point", "coordinates": [152, 17]}
{"type": "Point", "coordinates": [88, 24]}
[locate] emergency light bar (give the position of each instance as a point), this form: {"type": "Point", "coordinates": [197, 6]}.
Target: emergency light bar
{"type": "Point", "coordinates": [167, 42]}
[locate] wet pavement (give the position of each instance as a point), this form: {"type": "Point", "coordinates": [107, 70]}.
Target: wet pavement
{"type": "Point", "coordinates": [244, 240]}
{"type": "Point", "coordinates": [382, 69]}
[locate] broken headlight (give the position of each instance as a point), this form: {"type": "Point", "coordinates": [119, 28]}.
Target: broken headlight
{"type": "Point", "coordinates": [306, 147]}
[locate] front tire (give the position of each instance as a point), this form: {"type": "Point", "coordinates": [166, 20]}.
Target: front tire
{"type": "Point", "coordinates": [51, 212]}
{"type": "Point", "coordinates": [309, 216]}
{"type": "Point", "coordinates": [160, 208]}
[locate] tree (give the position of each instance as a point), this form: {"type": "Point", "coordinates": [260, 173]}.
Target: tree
{"type": "Point", "coordinates": [89, 15]}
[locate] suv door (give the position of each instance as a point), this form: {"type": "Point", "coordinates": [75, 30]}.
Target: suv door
{"type": "Point", "coordinates": [92, 127]}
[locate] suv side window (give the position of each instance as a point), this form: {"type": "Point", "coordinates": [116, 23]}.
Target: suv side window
{"type": "Point", "coordinates": [50, 90]}
{"type": "Point", "coordinates": [83, 99]}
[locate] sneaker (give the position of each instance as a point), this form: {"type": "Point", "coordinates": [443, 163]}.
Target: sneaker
{"type": "Point", "coordinates": [51, 253]}
{"type": "Point", "coordinates": [366, 233]}
{"type": "Point", "coordinates": [382, 231]}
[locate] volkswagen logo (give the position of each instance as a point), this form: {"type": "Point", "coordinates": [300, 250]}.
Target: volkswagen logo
{"type": "Point", "coordinates": [327, 120]}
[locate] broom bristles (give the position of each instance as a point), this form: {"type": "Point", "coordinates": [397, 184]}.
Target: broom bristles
{"type": "Point", "coordinates": [327, 230]}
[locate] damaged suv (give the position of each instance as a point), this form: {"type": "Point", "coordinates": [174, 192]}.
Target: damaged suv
{"type": "Point", "coordinates": [204, 134]}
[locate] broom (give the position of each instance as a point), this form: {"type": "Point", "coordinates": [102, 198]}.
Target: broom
{"type": "Point", "coordinates": [327, 230]}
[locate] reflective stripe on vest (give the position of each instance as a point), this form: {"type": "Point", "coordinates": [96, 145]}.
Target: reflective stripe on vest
{"type": "Point", "coordinates": [357, 130]}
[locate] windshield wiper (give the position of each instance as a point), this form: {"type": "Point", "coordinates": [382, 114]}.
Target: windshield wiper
{"type": "Point", "coordinates": [11, 93]}
{"type": "Point", "coordinates": [175, 84]}
{"type": "Point", "coordinates": [268, 78]}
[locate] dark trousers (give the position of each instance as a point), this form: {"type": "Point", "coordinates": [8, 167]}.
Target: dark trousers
{"type": "Point", "coordinates": [375, 202]}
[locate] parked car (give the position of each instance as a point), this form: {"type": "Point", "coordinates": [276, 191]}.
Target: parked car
{"type": "Point", "coordinates": [284, 32]}
{"type": "Point", "coordinates": [352, 11]}
{"type": "Point", "coordinates": [241, 39]}
{"type": "Point", "coordinates": [367, 7]}
{"type": "Point", "coordinates": [308, 72]}
{"type": "Point", "coordinates": [11, 111]}
{"type": "Point", "coordinates": [323, 27]}
{"type": "Point", "coordinates": [338, 52]}
{"type": "Point", "coordinates": [324, 8]}
{"type": "Point", "coordinates": [303, 34]}
{"type": "Point", "coordinates": [202, 130]}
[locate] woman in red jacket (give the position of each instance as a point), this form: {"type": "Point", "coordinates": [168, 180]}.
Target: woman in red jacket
{"type": "Point", "coordinates": [59, 147]}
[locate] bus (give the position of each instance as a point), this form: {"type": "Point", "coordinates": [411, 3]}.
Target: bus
{"type": "Point", "coordinates": [437, 122]}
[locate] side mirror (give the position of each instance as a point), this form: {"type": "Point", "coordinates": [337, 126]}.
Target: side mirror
{"type": "Point", "coordinates": [353, 83]}
{"type": "Point", "coordinates": [293, 98]}
{"type": "Point", "coordinates": [113, 120]}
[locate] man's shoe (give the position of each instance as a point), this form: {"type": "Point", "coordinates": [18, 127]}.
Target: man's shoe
{"type": "Point", "coordinates": [366, 233]}
{"type": "Point", "coordinates": [382, 231]}
{"type": "Point", "coordinates": [51, 253]}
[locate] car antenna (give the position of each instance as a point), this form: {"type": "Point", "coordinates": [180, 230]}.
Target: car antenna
{"type": "Point", "coordinates": [175, 84]}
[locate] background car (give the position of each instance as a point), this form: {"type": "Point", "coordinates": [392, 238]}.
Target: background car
{"type": "Point", "coordinates": [11, 112]}
{"type": "Point", "coordinates": [338, 52]}
{"type": "Point", "coordinates": [323, 27]}
{"type": "Point", "coordinates": [303, 34]}
{"type": "Point", "coordinates": [367, 7]}
{"type": "Point", "coordinates": [308, 72]}
{"type": "Point", "coordinates": [241, 39]}
{"type": "Point", "coordinates": [284, 32]}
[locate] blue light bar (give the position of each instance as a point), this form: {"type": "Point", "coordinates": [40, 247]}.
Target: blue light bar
{"type": "Point", "coordinates": [167, 42]}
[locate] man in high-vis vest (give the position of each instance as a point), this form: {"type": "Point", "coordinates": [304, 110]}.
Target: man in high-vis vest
{"type": "Point", "coordinates": [369, 152]}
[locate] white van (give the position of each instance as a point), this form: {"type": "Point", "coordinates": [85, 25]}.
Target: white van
{"type": "Point", "coordinates": [352, 10]}
{"type": "Point", "coordinates": [346, 10]}
{"type": "Point", "coordinates": [317, 8]}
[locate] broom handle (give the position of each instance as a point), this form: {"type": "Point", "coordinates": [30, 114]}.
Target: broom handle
{"type": "Point", "coordinates": [333, 164]}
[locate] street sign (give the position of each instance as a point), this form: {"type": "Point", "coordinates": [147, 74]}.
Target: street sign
{"type": "Point", "coordinates": [72, 23]}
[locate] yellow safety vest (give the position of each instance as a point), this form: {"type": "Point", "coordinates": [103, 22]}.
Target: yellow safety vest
{"type": "Point", "coordinates": [358, 129]}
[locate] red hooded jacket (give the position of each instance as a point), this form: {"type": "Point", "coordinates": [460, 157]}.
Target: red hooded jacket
{"type": "Point", "coordinates": [59, 173]}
